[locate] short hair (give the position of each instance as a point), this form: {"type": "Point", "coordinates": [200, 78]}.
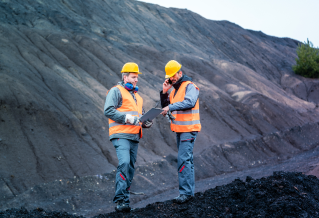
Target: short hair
{"type": "Point", "coordinates": [125, 74]}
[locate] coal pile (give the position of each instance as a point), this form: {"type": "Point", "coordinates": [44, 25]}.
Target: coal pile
{"type": "Point", "coordinates": [284, 194]}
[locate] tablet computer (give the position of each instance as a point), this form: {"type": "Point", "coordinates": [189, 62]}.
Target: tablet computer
{"type": "Point", "coordinates": [151, 114]}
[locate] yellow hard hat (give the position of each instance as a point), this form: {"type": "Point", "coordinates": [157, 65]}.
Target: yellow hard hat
{"type": "Point", "coordinates": [171, 68]}
{"type": "Point", "coordinates": [130, 67]}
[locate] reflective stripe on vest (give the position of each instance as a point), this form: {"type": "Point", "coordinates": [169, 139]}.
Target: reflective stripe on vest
{"type": "Point", "coordinates": [188, 120]}
{"type": "Point", "coordinates": [128, 112]}
{"type": "Point", "coordinates": [129, 106]}
{"type": "Point", "coordinates": [186, 112]}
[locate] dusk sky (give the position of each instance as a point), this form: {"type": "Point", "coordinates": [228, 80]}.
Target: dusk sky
{"type": "Point", "coordinates": [282, 18]}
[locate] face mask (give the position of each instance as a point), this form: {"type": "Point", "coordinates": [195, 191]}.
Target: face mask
{"type": "Point", "coordinates": [130, 87]}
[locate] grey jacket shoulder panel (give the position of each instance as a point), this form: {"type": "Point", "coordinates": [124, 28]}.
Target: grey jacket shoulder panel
{"type": "Point", "coordinates": [112, 102]}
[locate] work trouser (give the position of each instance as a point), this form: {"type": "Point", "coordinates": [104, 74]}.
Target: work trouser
{"type": "Point", "coordinates": [126, 151]}
{"type": "Point", "coordinates": [185, 164]}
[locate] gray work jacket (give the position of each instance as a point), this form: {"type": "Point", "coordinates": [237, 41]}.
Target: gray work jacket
{"type": "Point", "coordinates": [112, 102]}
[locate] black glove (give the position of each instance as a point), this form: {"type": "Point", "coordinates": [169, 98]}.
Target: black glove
{"type": "Point", "coordinates": [147, 124]}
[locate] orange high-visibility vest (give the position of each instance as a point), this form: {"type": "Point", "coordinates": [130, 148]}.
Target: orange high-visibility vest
{"type": "Point", "coordinates": [128, 107]}
{"type": "Point", "coordinates": [188, 120]}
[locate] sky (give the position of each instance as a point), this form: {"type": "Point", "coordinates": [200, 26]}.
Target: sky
{"type": "Point", "coordinates": [295, 19]}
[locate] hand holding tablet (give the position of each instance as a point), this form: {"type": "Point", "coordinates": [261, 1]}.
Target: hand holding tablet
{"type": "Point", "coordinates": [151, 114]}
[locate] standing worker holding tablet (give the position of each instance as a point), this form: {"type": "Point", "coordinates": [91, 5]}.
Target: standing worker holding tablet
{"type": "Point", "coordinates": [124, 106]}
{"type": "Point", "coordinates": [183, 103]}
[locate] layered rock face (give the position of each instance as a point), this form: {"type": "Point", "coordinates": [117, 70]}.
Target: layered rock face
{"type": "Point", "coordinates": [58, 59]}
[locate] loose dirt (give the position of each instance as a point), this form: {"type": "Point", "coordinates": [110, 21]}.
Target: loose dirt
{"type": "Point", "coordinates": [284, 194]}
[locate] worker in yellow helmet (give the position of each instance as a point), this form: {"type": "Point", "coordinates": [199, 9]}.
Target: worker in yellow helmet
{"type": "Point", "coordinates": [183, 104]}
{"type": "Point", "coordinates": [123, 106]}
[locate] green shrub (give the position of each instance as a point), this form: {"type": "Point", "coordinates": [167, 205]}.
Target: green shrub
{"type": "Point", "coordinates": [307, 63]}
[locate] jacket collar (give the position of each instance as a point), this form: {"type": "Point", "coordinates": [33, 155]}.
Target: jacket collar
{"type": "Point", "coordinates": [180, 81]}
{"type": "Point", "coordinates": [121, 83]}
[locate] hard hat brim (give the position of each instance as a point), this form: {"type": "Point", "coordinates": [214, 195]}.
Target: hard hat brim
{"type": "Point", "coordinates": [132, 72]}
{"type": "Point", "coordinates": [167, 76]}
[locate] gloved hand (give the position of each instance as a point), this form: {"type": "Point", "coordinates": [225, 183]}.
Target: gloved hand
{"type": "Point", "coordinates": [147, 124]}
{"type": "Point", "coordinates": [131, 119]}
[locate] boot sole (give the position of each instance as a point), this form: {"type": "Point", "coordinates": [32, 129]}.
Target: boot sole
{"type": "Point", "coordinates": [182, 202]}
{"type": "Point", "coordinates": [125, 209]}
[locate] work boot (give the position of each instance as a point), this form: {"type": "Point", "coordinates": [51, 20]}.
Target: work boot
{"type": "Point", "coordinates": [122, 207]}
{"type": "Point", "coordinates": [181, 199]}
